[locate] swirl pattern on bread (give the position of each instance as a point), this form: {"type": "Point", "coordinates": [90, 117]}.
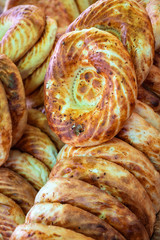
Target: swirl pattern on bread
{"type": "Point", "coordinates": [90, 87]}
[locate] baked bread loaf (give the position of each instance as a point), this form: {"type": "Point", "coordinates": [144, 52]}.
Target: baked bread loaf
{"type": "Point", "coordinates": [143, 136]}
{"type": "Point", "coordinates": [152, 8]}
{"type": "Point", "coordinates": [156, 235]}
{"type": "Point", "coordinates": [12, 82]}
{"type": "Point", "coordinates": [5, 126]}
{"type": "Point", "coordinates": [91, 199]}
{"type": "Point", "coordinates": [20, 27]}
{"type": "Point", "coordinates": [73, 218]}
{"type": "Point", "coordinates": [112, 179]}
{"type": "Point", "coordinates": [123, 154]}
{"type": "Point", "coordinates": [38, 119]}
{"type": "Point", "coordinates": [2, 4]}
{"type": "Point", "coordinates": [64, 12]}
{"type": "Point", "coordinates": [42, 232]}
{"type": "Point", "coordinates": [11, 215]}
{"type": "Point", "coordinates": [40, 51]}
{"type": "Point", "coordinates": [17, 188]}
{"type": "Point", "coordinates": [130, 23]}
{"type": "Point", "coordinates": [149, 98]}
{"type": "Point", "coordinates": [33, 170]}
{"type": "Point", "coordinates": [148, 114]}
{"type": "Point", "coordinates": [36, 99]}
{"type": "Point", "coordinates": [87, 95]}
{"type": "Point", "coordinates": [152, 81]}
{"type": "Point", "coordinates": [39, 145]}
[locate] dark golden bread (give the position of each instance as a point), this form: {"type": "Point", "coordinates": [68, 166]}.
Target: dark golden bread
{"type": "Point", "coordinates": [129, 158]}
{"type": "Point", "coordinates": [73, 218]}
{"type": "Point", "coordinates": [90, 198]}
{"type": "Point", "coordinates": [112, 179]}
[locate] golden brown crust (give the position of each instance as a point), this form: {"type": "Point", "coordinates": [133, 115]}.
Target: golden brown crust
{"type": "Point", "coordinates": [40, 51]}
{"type": "Point", "coordinates": [73, 218]}
{"type": "Point", "coordinates": [156, 234]}
{"type": "Point", "coordinates": [5, 126]}
{"type": "Point", "coordinates": [11, 215]}
{"type": "Point", "coordinates": [152, 81]}
{"type": "Point", "coordinates": [39, 145]}
{"type": "Point", "coordinates": [112, 179]}
{"type": "Point", "coordinates": [130, 23]}
{"type": "Point", "coordinates": [88, 99]}
{"type": "Point", "coordinates": [41, 232]}
{"type": "Point", "coordinates": [129, 158]}
{"type": "Point", "coordinates": [36, 99]}
{"type": "Point", "coordinates": [14, 88]}
{"type": "Point", "coordinates": [95, 201]}
{"type": "Point", "coordinates": [37, 119]}
{"type": "Point", "coordinates": [143, 136]}
{"type": "Point", "coordinates": [64, 12]}
{"type": "Point", "coordinates": [149, 98]}
{"type": "Point", "coordinates": [148, 114]}
{"type": "Point", "coordinates": [14, 186]}
{"type": "Point", "coordinates": [21, 27]}
{"type": "Point", "coordinates": [33, 170]}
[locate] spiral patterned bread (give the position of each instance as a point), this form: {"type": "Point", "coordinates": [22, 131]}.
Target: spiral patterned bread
{"type": "Point", "coordinates": [90, 87]}
{"type": "Point", "coordinates": [130, 23]}
{"type": "Point", "coordinates": [74, 218]}
{"type": "Point", "coordinates": [20, 27]}
{"type": "Point", "coordinates": [123, 154]}
{"type": "Point", "coordinates": [95, 201]}
{"type": "Point", "coordinates": [11, 215]}
{"type": "Point", "coordinates": [14, 88]}
{"type": "Point", "coordinates": [42, 232]}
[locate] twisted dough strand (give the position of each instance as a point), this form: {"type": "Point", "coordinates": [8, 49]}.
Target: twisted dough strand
{"type": "Point", "coordinates": [88, 96]}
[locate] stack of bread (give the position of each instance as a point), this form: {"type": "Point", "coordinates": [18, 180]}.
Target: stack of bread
{"type": "Point", "coordinates": [106, 182]}
{"type": "Point", "coordinates": [28, 148]}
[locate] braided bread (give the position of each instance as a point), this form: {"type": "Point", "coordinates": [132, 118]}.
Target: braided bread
{"type": "Point", "coordinates": [74, 218]}
{"type": "Point", "coordinates": [125, 155]}
{"type": "Point", "coordinates": [20, 27]}
{"type": "Point", "coordinates": [128, 21]}
{"type": "Point", "coordinates": [88, 96]}
{"type": "Point", "coordinates": [90, 198]}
